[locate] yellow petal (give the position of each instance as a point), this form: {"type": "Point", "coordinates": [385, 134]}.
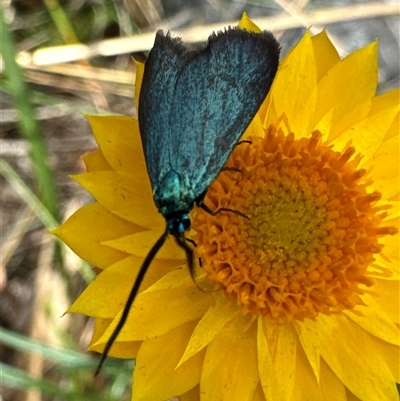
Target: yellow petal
{"type": "Point", "coordinates": [395, 197]}
{"type": "Point", "coordinates": [208, 328]}
{"type": "Point", "coordinates": [191, 395]}
{"type": "Point", "coordinates": [367, 135]}
{"type": "Point", "coordinates": [285, 361]}
{"type": "Point", "coordinates": [100, 326]}
{"type": "Point", "coordinates": [258, 394]}
{"type": "Point", "coordinates": [139, 244]}
{"type": "Point", "coordinates": [271, 116]}
{"type": "Point", "coordinates": [248, 24]}
{"type": "Point", "coordinates": [255, 128]}
{"type": "Point", "coordinates": [138, 83]}
{"type": "Point", "coordinates": [393, 212]}
{"type": "Point", "coordinates": [127, 350]}
{"type": "Point", "coordinates": [306, 387]}
{"type": "Point", "coordinates": [124, 350]}
{"type": "Point", "coordinates": [293, 91]}
{"type": "Point", "coordinates": [309, 339]}
{"type": "Point", "coordinates": [385, 162]}
{"type": "Point", "coordinates": [385, 101]}
{"type": "Point", "coordinates": [107, 294]}
{"type": "Point", "coordinates": [375, 320]}
{"type": "Point", "coordinates": [349, 350]}
{"type": "Point", "coordinates": [391, 355]}
{"type": "Point", "coordinates": [88, 227]}
{"type": "Point", "coordinates": [273, 359]}
{"type": "Point", "coordinates": [119, 140]}
{"type": "Point", "coordinates": [390, 267]}
{"type": "Point", "coordinates": [156, 375]}
{"type": "Point", "coordinates": [348, 88]}
{"type": "Point", "coordinates": [230, 365]}
{"type": "Point", "coordinates": [262, 118]}
{"type": "Point", "coordinates": [175, 278]}
{"type": "Point", "coordinates": [121, 195]}
{"type": "Point", "coordinates": [389, 291]}
{"type": "Point", "coordinates": [324, 125]}
{"type": "Point", "coordinates": [96, 161]}
{"type": "Point", "coordinates": [156, 313]}
{"type": "Point", "coordinates": [266, 365]}
{"type": "Point", "coordinates": [331, 386]}
{"type": "Point", "coordinates": [351, 397]}
{"type": "Point", "coordinates": [391, 248]}
{"type": "Point", "coordinates": [326, 55]}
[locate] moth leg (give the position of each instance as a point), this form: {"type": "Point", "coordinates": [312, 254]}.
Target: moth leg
{"type": "Point", "coordinates": [235, 168]}
{"type": "Point", "coordinates": [181, 241]}
{"type": "Point", "coordinates": [194, 243]}
{"type": "Point", "coordinates": [200, 203]}
{"type": "Point", "coordinates": [191, 241]}
{"type": "Point", "coordinates": [244, 141]}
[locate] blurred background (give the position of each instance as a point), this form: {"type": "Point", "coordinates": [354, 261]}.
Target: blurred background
{"type": "Point", "coordinates": [62, 58]}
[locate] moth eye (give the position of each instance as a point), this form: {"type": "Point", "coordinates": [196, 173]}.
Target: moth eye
{"type": "Point", "coordinates": [185, 222]}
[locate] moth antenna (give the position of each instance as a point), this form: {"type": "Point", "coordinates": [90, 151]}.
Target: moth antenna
{"type": "Point", "coordinates": [132, 295]}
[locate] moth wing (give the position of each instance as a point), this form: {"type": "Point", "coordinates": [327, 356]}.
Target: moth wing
{"type": "Point", "coordinates": [195, 105]}
{"type": "Point", "coordinates": [162, 67]}
{"type": "Point", "coordinates": [216, 96]}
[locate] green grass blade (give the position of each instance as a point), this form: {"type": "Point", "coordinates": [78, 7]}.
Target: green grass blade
{"type": "Point", "coordinates": [16, 378]}
{"type": "Point", "coordinates": [27, 195]}
{"type": "Point", "coordinates": [67, 358]}
{"type": "Point", "coordinates": [61, 21]}
{"type": "Point", "coordinates": [28, 124]}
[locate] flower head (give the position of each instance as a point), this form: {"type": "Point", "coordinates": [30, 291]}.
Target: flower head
{"type": "Point", "coordinates": [300, 300]}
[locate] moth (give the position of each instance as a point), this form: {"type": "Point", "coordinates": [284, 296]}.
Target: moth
{"type": "Point", "coordinates": [194, 106]}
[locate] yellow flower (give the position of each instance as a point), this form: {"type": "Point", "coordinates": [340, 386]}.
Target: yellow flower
{"type": "Point", "coordinates": [301, 301]}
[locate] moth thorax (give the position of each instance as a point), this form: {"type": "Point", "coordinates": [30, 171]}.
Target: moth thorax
{"type": "Point", "coordinates": [171, 195]}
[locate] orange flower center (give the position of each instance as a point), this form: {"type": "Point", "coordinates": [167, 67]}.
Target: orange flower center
{"type": "Point", "coordinates": [312, 230]}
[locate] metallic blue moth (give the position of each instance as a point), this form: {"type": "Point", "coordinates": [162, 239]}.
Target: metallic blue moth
{"type": "Point", "coordinates": [194, 106]}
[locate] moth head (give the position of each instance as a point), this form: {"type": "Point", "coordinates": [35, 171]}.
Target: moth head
{"type": "Point", "coordinates": [178, 223]}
